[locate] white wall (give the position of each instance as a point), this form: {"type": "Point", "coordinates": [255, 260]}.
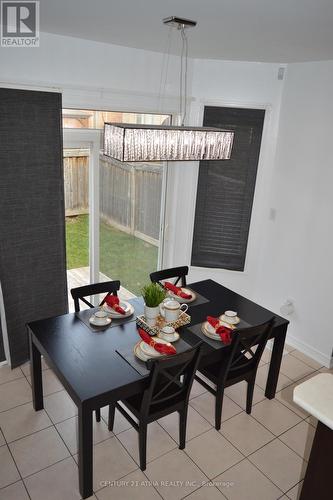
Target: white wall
{"type": "Point", "coordinates": [237, 84]}
{"type": "Point", "coordinates": [92, 73]}
{"type": "Point", "coordinates": [298, 244]}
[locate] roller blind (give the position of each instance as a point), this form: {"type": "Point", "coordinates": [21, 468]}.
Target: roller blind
{"type": "Point", "coordinates": [225, 191]}
{"type": "Point", "coordinates": [32, 218]}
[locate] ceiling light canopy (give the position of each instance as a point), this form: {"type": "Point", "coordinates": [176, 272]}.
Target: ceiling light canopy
{"type": "Point", "coordinates": [128, 142]}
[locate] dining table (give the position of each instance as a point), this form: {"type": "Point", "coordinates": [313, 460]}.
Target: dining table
{"type": "Point", "coordinates": [92, 371]}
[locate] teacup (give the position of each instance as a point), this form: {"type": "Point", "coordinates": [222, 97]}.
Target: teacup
{"type": "Point", "coordinates": [230, 317]}
{"type": "Point", "coordinates": [171, 310]}
{"type": "Point", "coordinates": [168, 332]}
{"type": "Point", "coordinates": [100, 317]}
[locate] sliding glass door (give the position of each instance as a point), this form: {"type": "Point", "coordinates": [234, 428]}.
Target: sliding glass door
{"type": "Point", "coordinates": [114, 210]}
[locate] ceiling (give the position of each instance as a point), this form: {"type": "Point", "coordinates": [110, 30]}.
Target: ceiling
{"type": "Point", "coordinates": [247, 30]}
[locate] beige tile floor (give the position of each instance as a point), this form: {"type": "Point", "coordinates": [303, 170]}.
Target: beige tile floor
{"type": "Point", "coordinates": [257, 457]}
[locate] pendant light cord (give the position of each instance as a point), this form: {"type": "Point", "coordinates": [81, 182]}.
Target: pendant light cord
{"type": "Point", "coordinates": [183, 75]}
{"type": "Point", "coordinates": [164, 71]}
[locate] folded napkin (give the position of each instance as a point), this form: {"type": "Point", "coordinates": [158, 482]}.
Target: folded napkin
{"type": "Point", "coordinates": [113, 302]}
{"type": "Point", "coordinates": [158, 346]}
{"type": "Point", "coordinates": [223, 331]}
{"type": "Point", "coordinates": [177, 290]}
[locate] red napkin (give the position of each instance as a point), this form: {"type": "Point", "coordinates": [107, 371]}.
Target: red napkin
{"type": "Point", "coordinates": [158, 346]}
{"type": "Point", "coordinates": [177, 290]}
{"type": "Point", "coordinates": [223, 331]}
{"type": "Point", "coordinates": [113, 302]}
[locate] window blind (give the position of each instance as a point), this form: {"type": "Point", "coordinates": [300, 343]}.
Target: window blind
{"type": "Point", "coordinates": [225, 191]}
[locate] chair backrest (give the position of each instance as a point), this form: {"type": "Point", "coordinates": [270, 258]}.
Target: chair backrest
{"type": "Point", "coordinates": [80, 293]}
{"type": "Point", "coordinates": [171, 379]}
{"type": "Point", "coordinates": [179, 273]}
{"type": "Point", "coordinates": [243, 356]}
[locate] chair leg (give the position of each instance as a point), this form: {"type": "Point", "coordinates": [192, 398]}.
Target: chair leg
{"type": "Point", "coordinates": [249, 395]}
{"type": "Point", "coordinates": [143, 445]}
{"type": "Point", "coordinates": [182, 428]}
{"type": "Point", "coordinates": [98, 415]}
{"type": "Point", "coordinates": [218, 408]}
{"type": "Point", "coordinates": [112, 410]}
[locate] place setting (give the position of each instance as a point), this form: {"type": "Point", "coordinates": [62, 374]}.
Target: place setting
{"type": "Point", "coordinates": [166, 343]}
{"type": "Point", "coordinates": [183, 295]}
{"type": "Point", "coordinates": [217, 330]}
{"type": "Point", "coordinates": [112, 312]}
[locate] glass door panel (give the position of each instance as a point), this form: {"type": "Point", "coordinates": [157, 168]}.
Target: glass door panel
{"type": "Point", "coordinates": [130, 222]}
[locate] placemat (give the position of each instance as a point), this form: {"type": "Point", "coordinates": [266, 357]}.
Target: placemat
{"type": "Point", "coordinates": [84, 316]}
{"type": "Point", "coordinates": [127, 353]}
{"type": "Point", "coordinates": [216, 344]}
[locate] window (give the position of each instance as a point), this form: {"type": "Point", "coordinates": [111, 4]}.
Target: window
{"type": "Point", "coordinates": [225, 191]}
{"type": "Point", "coordinates": [88, 118]}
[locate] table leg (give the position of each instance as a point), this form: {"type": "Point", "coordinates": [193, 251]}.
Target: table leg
{"type": "Point", "coordinates": [36, 375]}
{"type": "Point", "coordinates": [85, 452]}
{"type": "Point", "coordinates": [274, 367]}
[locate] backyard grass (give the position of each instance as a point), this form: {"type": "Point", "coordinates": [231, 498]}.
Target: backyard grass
{"type": "Point", "coordinates": [122, 256]}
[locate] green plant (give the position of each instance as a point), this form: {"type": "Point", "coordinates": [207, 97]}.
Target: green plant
{"type": "Point", "coordinates": [153, 294]}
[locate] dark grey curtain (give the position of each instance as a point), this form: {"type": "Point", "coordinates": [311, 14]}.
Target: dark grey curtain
{"type": "Point", "coordinates": [32, 221]}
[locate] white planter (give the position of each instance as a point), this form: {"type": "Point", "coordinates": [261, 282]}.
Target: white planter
{"type": "Point", "coordinates": [151, 314]}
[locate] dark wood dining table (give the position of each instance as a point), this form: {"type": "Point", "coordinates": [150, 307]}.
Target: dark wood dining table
{"type": "Point", "coordinates": [94, 374]}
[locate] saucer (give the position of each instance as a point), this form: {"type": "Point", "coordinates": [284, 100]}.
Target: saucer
{"type": "Point", "coordinates": [95, 322]}
{"type": "Point", "coordinates": [229, 321]}
{"type": "Point", "coordinates": [168, 338]}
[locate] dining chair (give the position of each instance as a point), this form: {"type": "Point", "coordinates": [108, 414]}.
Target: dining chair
{"type": "Point", "coordinates": [238, 362]}
{"type": "Point", "coordinates": [81, 292]}
{"type": "Point", "coordinates": [168, 391]}
{"type": "Point", "coordinates": [179, 273]}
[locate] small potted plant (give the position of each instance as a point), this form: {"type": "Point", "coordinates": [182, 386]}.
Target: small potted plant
{"type": "Point", "coordinates": [153, 295]}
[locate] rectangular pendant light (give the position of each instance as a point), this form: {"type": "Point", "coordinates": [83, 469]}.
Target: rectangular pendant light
{"type": "Point", "coordinates": [128, 142]}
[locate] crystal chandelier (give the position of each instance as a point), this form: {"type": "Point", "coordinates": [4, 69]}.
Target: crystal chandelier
{"type": "Point", "coordinates": [128, 142]}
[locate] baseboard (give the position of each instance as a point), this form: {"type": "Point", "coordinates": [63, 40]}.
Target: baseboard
{"type": "Point", "coordinates": [3, 362]}
{"type": "Point", "coordinates": [310, 351]}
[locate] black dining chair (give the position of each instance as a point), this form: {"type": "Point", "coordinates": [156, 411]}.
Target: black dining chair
{"type": "Point", "coordinates": [238, 362]}
{"type": "Point", "coordinates": [81, 292]}
{"type": "Point", "coordinates": [177, 273]}
{"type": "Point", "coordinates": [168, 391]}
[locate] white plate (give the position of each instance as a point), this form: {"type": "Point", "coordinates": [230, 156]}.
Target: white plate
{"type": "Point", "coordinates": [213, 336]}
{"type": "Point", "coordinates": [180, 299]}
{"type": "Point", "coordinates": [93, 321]}
{"type": "Point", "coordinates": [128, 308]}
{"type": "Point", "coordinates": [210, 331]}
{"type": "Point", "coordinates": [173, 338]}
{"type": "Point", "coordinates": [149, 350]}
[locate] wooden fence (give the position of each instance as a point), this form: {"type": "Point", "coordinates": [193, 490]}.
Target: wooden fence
{"type": "Point", "coordinates": [130, 196]}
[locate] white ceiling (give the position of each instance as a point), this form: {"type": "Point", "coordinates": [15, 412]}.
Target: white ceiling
{"type": "Point", "coordinates": [248, 30]}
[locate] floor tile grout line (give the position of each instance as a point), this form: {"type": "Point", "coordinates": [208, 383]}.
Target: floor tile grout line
{"type": "Point", "coordinates": [284, 492]}
{"type": "Point", "coordinates": [294, 487]}
{"type": "Point", "coordinates": [30, 434]}
{"type": "Point", "coordinates": [47, 467]}
{"type": "Point", "coordinates": [305, 361]}
{"type": "Point", "coordinates": [304, 459]}
{"type": "Point", "coordinates": [18, 470]}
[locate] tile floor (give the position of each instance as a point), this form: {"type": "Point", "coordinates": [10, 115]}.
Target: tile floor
{"type": "Point", "coordinates": [261, 456]}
